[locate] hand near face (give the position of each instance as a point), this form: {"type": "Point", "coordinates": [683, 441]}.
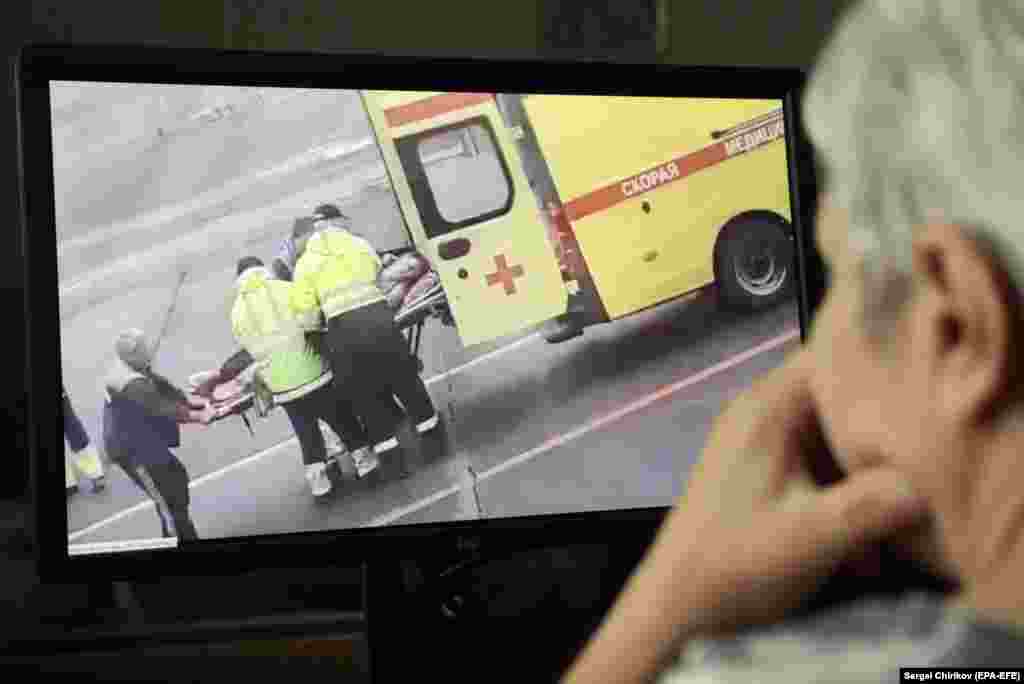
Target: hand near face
{"type": "Point", "coordinates": [755, 530]}
{"type": "Point", "coordinates": [752, 537]}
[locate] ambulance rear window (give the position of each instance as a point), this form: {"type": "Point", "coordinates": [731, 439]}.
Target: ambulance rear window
{"type": "Point", "coordinates": [465, 173]}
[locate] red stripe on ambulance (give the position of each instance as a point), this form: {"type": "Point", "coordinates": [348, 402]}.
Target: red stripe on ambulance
{"type": "Point", "coordinates": [674, 170]}
{"type": "Point", "coordinates": [430, 107]}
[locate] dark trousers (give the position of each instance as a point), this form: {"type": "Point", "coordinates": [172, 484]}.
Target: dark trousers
{"type": "Point", "coordinates": [74, 431]}
{"type": "Point", "coordinates": [412, 392]}
{"type": "Point", "coordinates": [166, 484]}
{"type": "Point", "coordinates": [388, 402]}
{"type": "Point", "coordinates": [323, 404]}
{"type": "Point", "coordinates": [372, 366]}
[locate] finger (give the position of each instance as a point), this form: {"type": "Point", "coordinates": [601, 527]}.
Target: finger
{"type": "Point", "coordinates": [828, 525]}
{"type": "Point", "coordinates": [790, 412]}
{"type": "Point", "coordinates": [791, 388]}
{"type": "Point", "coordinates": [865, 507]}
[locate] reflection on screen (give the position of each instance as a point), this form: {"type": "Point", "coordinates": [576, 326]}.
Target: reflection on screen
{"type": "Point", "coordinates": [581, 282]}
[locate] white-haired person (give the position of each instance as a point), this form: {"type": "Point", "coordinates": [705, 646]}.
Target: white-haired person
{"type": "Point", "coordinates": [142, 416]}
{"type": "Point", "coordinates": [911, 379]}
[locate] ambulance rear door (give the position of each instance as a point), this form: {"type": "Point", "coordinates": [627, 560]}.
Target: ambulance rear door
{"type": "Point", "coordinates": [458, 177]}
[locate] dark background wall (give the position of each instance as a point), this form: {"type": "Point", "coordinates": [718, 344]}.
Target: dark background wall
{"type": "Point", "coordinates": [736, 32]}
{"type": "Point", "coordinates": [763, 33]}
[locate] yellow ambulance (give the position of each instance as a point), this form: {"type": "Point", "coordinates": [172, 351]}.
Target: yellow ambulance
{"type": "Point", "coordinates": [585, 209]}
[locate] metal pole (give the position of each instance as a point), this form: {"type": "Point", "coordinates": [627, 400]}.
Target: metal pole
{"type": "Point", "coordinates": [170, 311]}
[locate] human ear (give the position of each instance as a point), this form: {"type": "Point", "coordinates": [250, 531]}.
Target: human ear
{"type": "Point", "coordinates": [966, 314]}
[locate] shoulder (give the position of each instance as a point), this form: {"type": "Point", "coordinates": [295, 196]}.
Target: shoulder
{"type": "Point", "coordinates": [868, 641]}
{"type": "Point", "coordinates": [280, 288]}
{"type": "Point", "coordinates": [340, 236]}
{"type": "Point", "coordinates": [139, 385]}
{"type": "Point", "coordinates": [984, 644]}
{"type": "Point", "coordinates": [365, 244]}
{"type": "Point", "coordinates": [276, 285]}
{"type": "Point", "coordinates": [120, 377]}
{"type": "Point", "coordinates": [138, 390]}
{"type": "Point", "coordinates": [318, 238]}
{"type": "Point", "coordinates": [312, 252]}
{"type": "Point", "coordinates": [306, 265]}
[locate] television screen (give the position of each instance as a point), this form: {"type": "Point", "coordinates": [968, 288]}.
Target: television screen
{"type": "Point", "coordinates": [578, 282]}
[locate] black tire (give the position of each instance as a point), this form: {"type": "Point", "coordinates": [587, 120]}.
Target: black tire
{"type": "Point", "coordinates": [754, 263]}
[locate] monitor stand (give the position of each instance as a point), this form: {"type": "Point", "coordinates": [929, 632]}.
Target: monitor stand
{"type": "Point", "coordinates": [114, 600]}
{"type": "Point", "coordinates": [401, 620]}
{"type": "Point", "coordinates": [525, 614]}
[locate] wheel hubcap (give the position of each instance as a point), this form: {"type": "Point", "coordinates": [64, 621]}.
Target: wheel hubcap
{"type": "Point", "coordinates": [758, 270]}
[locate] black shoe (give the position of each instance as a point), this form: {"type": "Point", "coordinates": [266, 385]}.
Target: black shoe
{"type": "Point", "coordinates": [72, 490]}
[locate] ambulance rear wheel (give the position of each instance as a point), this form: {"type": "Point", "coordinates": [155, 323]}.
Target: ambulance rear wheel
{"type": "Point", "coordinates": [754, 263]}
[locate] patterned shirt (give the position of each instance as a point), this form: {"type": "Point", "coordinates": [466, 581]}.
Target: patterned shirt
{"type": "Point", "coordinates": [868, 641]}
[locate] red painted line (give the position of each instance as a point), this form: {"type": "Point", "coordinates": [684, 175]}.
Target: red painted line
{"type": "Point", "coordinates": [654, 397]}
{"type": "Point", "coordinates": [430, 107]}
{"type": "Point", "coordinates": [596, 424]}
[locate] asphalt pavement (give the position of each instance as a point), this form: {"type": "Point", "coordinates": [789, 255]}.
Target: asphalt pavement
{"type": "Point", "coordinates": [610, 420]}
{"type": "Point", "coordinates": [124, 151]}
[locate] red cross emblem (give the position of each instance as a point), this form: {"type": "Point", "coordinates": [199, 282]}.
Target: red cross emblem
{"type": "Point", "coordinates": [505, 275]}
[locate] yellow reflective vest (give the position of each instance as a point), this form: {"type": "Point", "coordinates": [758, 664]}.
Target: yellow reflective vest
{"type": "Point", "coordinates": [265, 325]}
{"type": "Point", "coordinates": [336, 273]}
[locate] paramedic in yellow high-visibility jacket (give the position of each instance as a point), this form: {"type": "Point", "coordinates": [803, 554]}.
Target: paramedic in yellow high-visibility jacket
{"type": "Point", "coordinates": [336, 278]}
{"type": "Point", "coordinates": [265, 325]}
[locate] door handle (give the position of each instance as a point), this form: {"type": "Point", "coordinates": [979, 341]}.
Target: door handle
{"type": "Point", "coordinates": [453, 249]}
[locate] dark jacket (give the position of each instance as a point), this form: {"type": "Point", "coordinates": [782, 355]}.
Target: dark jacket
{"type": "Point", "coordinates": [141, 418]}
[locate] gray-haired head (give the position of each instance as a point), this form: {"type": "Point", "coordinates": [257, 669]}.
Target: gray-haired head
{"type": "Point", "coordinates": [916, 109]}
{"type": "Point", "coordinates": [134, 349]}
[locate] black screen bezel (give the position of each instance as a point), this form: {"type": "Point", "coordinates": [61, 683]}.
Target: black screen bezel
{"type": "Point", "coordinates": [38, 65]}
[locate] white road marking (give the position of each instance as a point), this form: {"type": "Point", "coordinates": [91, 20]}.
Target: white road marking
{"type": "Point", "coordinates": [120, 515]}
{"type": "Point", "coordinates": [288, 443]}
{"type": "Point", "coordinates": [484, 357]}
{"type": "Point", "coordinates": [144, 505]}
{"type": "Point", "coordinates": [596, 424]}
